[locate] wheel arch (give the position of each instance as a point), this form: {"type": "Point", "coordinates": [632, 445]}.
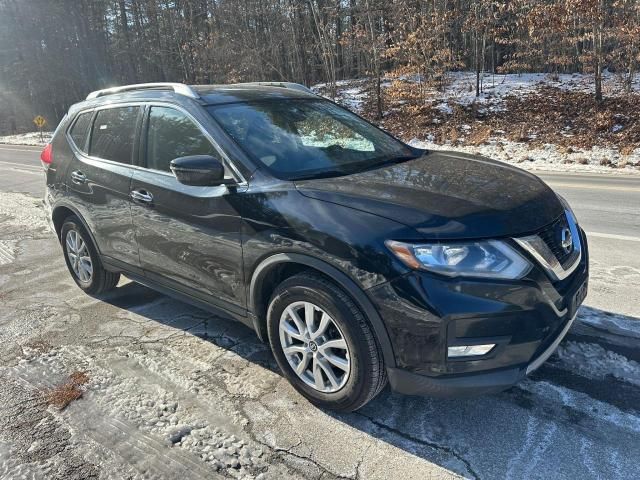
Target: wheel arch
{"type": "Point", "coordinates": [61, 212]}
{"type": "Point", "coordinates": [258, 297]}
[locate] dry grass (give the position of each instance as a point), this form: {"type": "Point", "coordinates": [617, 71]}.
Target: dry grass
{"type": "Point", "coordinates": [627, 149]}
{"type": "Point", "coordinates": [479, 136]}
{"type": "Point", "coordinates": [565, 149]}
{"type": "Point", "coordinates": [65, 393]}
{"type": "Point", "coordinates": [453, 136]}
{"type": "Point", "coordinates": [571, 120]}
{"type": "Point", "coordinates": [39, 345]}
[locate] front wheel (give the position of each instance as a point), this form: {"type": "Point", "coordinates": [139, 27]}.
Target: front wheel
{"type": "Point", "coordinates": [324, 344]}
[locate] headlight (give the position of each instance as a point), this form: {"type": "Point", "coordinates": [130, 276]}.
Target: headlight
{"type": "Point", "coordinates": [485, 259]}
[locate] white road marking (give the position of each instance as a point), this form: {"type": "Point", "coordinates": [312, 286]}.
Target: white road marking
{"type": "Point", "coordinates": [589, 186]}
{"type": "Point", "coordinates": [22, 165]}
{"type": "Point", "coordinates": [613, 236]}
{"type": "Point", "coordinates": [28, 172]}
{"type": "Point", "coordinates": [19, 150]}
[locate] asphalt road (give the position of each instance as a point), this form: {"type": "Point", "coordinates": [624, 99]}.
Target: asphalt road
{"type": "Point", "coordinates": [607, 207]}
{"type": "Point", "coordinates": [21, 170]}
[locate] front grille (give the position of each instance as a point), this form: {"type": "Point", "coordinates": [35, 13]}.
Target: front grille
{"type": "Point", "coordinates": [552, 236]}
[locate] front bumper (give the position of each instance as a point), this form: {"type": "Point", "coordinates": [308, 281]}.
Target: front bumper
{"type": "Point", "coordinates": [408, 383]}
{"type": "Point", "coordinates": [425, 314]}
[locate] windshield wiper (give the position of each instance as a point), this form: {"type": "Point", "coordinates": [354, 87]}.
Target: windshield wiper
{"type": "Point", "coordinates": [322, 174]}
{"type": "Point", "coordinates": [391, 161]}
{"type": "Point", "coordinates": [355, 168]}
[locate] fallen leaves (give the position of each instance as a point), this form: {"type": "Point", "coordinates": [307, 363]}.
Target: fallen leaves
{"type": "Point", "coordinates": [570, 119]}
{"type": "Point", "coordinates": [62, 395]}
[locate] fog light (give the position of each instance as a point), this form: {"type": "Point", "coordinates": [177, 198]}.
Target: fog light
{"type": "Point", "coordinates": [470, 350]}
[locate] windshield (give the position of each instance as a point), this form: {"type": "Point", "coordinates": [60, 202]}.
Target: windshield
{"type": "Point", "coordinates": [306, 138]}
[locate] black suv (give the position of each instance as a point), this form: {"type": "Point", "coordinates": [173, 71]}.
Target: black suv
{"type": "Point", "coordinates": [359, 258]}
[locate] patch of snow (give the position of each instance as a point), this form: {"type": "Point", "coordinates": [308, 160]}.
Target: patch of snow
{"type": "Point", "coordinates": [7, 251]}
{"type": "Point", "coordinates": [444, 107]}
{"type": "Point", "coordinates": [350, 93]}
{"type": "Point", "coordinates": [130, 400]}
{"type": "Point", "coordinates": [19, 210]}
{"type": "Point", "coordinates": [583, 403]}
{"type": "Point", "coordinates": [592, 361]}
{"type": "Point", "coordinates": [611, 322]}
{"type": "Point", "coordinates": [548, 157]}
{"type": "Point", "coordinates": [353, 98]}
{"type": "Point", "coordinates": [495, 87]}
{"type": "Point", "coordinates": [31, 138]}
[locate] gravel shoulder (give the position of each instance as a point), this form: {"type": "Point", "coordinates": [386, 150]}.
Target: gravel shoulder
{"type": "Point", "coordinates": [176, 392]}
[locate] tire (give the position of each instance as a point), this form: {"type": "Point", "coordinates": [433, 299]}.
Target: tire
{"type": "Point", "coordinates": [97, 280]}
{"type": "Point", "coordinates": [359, 352]}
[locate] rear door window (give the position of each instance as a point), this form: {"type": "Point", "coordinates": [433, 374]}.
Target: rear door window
{"type": "Point", "coordinates": [79, 131]}
{"type": "Point", "coordinates": [172, 134]}
{"type": "Point", "coordinates": [113, 134]}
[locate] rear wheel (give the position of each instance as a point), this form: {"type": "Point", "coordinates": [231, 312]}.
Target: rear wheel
{"type": "Point", "coordinates": [82, 259]}
{"type": "Point", "coordinates": [324, 344]}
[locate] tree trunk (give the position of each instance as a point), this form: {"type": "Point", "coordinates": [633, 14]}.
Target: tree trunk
{"type": "Point", "coordinates": [598, 27]}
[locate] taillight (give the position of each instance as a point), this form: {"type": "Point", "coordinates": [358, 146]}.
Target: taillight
{"type": "Point", "coordinates": [47, 155]}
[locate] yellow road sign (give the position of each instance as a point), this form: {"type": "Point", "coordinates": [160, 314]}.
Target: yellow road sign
{"type": "Point", "coordinates": [40, 121]}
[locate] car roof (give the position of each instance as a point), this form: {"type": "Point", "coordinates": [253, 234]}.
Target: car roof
{"type": "Point", "coordinates": [203, 94]}
{"type": "Point", "coordinates": [219, 94]}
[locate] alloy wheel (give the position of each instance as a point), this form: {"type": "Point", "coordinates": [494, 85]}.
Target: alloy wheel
{"type": "Point", "coordinates": [79, 256]}
{"type": "Point", "coordinates": [314, 346]}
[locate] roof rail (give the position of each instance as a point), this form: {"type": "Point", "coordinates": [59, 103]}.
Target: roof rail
{"type": "Point", "coordinates": [179, 88]}
{"type": "Point", "coordinates": [291, 85]}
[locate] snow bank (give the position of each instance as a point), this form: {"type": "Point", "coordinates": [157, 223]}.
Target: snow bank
{"type": "Point", "coordinates": [592, 361]}
{"type": "Point", "coordinates": [611, 322]}
{"type": "Point", "coordinates": [548, 158]}
{"type": "Point", "coordinates": [31, 138]}
{"type": "Point", "coordinates": [461, 86]}
{"type": "Point", "coordinates": [19, 210]}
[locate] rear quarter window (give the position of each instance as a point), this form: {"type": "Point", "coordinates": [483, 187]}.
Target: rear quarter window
{"type": "Point", "coordinates": [113, 134]}
{"type": "Point", "coordinates": [79, 130]}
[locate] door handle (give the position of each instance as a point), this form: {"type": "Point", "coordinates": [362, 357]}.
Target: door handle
{"type": "Point", "coordinates": [141, 196]}
{"type": "Point", "coordinates": [78, 177]}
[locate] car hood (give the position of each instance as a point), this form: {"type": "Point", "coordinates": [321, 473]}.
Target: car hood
{"type": "Point", "coordinates": [446, 195]}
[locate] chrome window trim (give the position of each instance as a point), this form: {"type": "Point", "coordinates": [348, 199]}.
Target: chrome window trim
{"type": "Point", "coordinates": [241, 182]}
{"type": "Point", "coordinates": [95, 110]}
{"type": "Point", "coordinates": [196, 170]}
{"type": "Point", "coordinates": [539, 250]}
{"type": "Point", "coordinates": [67, 132]}
{"type": "Point", "coordinates": [239, 178]}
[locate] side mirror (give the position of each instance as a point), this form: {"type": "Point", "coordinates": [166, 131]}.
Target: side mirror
{"type": "Point", "coordinates": [198, 170]}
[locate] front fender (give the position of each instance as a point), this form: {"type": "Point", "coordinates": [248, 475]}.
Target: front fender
{"type": "Point", "coordinates": [340, 278]}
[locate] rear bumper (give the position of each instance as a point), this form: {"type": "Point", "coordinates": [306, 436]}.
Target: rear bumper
{"type": "Point", "coordinates": [409, 383]}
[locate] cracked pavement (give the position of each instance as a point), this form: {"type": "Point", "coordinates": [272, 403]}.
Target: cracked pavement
{"type": "Point", "coordinates": [176, 392]}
